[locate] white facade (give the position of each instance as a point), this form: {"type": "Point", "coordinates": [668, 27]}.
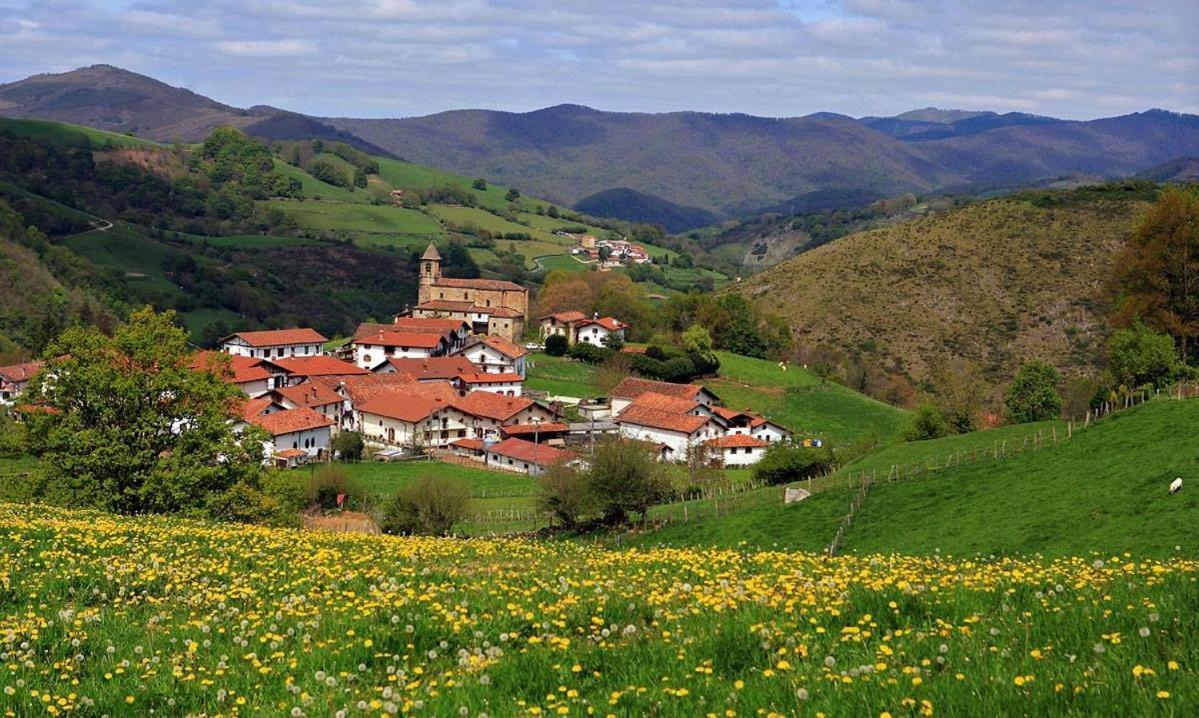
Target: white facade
{"type": "Point", "coordinates": [506, 388]}
{"type": "Point", "coordinates": [368, 356]}
{"type": "Point", "coordinates": [678, 441]}
{"type": "Point", "coordinates": [492, 361]}
{"type": "Point", "coordinates": [239, 347]}
{"type": "Point", "coordinates": [314, 442]}
{"type": "Point", "coordinates": [741, 455]}
{"type": "Point", "coordinates": [256, 388]}
{"type": "Point", "coordinates": [769, 431]}
{"type": "Point", "coordinates": [593, 334]}
{"type": "Point", "coordinates": [508, 463]}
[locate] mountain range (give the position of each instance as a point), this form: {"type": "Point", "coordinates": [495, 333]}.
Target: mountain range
{"type": "Point", "coordinates": [681, 169]}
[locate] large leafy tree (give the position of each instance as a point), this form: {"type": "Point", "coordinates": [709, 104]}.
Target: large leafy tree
{"type": "Point", "coordinates": [125, 423]}
{"type": "Point", "coordinates": [625, 479]}
{"type": "Point", "coordinates": [1158, 271]}
{"type": "Point", "coordinates": [1138, 355]}
{"type": "Point", "coordinates": [1033, 394]}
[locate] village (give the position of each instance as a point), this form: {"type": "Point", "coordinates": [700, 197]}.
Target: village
{"type": "Point", "coordinates": [445, 379]}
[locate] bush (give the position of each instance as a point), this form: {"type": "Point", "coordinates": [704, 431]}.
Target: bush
{"type": "Point", "coordinates": [1138, 356]}
{"type": "Point", "coordinates": [324, 486]}
{"type": "Point", "coordinates": [1033, 394]}
{"type": "Point", "coordinates": [556, 345]}
{"type": "Point", "coordinates": [589, 353]}
{"type": "Point", "coordinates": [783, 463]}
{"type": "Point", "coordinates": [289, 494]}
{"type": "Point", "coordinates": [428, 506]}
{"type": "Point", "coordinates": [348, 446]}
{"type": "Point", "coordinates": [562, 491]}
{"type": "Point", "coordinates": [625, 478]}
{"type": "Point", "coordinates": [926, 423]}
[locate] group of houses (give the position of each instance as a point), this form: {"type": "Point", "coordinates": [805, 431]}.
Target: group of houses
{"type": "Point", "coordinates": [610, 252]}
{"type": "Point", "coordinates": [450, 382]}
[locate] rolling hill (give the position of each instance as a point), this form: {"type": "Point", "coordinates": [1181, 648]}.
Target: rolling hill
{"type": "Point", "coordinates": [992, 284]}
{"type": "Point", "coordinates": [678, 168]}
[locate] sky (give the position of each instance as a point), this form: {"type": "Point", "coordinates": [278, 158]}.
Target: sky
{"type": "Point", "coordinates": [1075, 59]}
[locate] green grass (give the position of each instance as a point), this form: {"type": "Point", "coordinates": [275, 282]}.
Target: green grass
{"type": "Point", "coordinates": [1104, 489]}
{"type": "Point", "coordinates": [314, 188]}
{"type": "Point", "coordinates": [66, 133]}
{"type": "Point", "coordinates": [249, 241]}
{"type": "Point", "coordinates": [561, 376]}
{"type": "Point", "coordinates": [377, 477]}
{"type": "Point", "coordinates": [138, 258]}
{"type": "Point", "coordinates": [543, 242]}
{"type": "Point", "coordinates": [364, 218]}
{"type": "Point", "coordinates": [567, 262]}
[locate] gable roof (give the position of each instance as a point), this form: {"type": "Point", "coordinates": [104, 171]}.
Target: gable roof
{"type": "Point", "coordinates": [475, 377]}
{"type": "Point", "coordinates": [278, 337]}
{"type": "Point", "coordinates": [319, 365]}
{"type": "Point", "coordinates": [17, 373]}
{"type": "Point", "coordinates": [434, 325]}
{"type": "Point", "coordinates": [492, 406]}
{"type": "Point", "coordinates": [291, 420]}
{"type": "Point", "coordinates": [495, 285]}
{"type": "Point", "coordinates": [309, 394]}
{"type": "Point", "coordinates": [736, 441]}
{"type": "Point", "coordinates": [665, 420]}
{"type": "Point", "coordinates": [361, 389]}
{"type": "Point", "coordinates": [431, 367]}
{"type": "Point", "coordinates": [505, 347]}
{"type": "Point", "coordinates": [403, 406]}
{"type": "Point", "coordinates": [522, 450]}
{"type": "Point", "coordinates": [545, 427]}
{"type": "Point", "coordinates": [241, 369]}
{"type": "Point", "coordinates": [608, 323]}
{"type": "Point", "coordinates": [632, 387]}
{"type": "Point", "coordinates": [252, 408]}
{"type": "Point", "coordinates": [400, 338]}
{"type": "Point", "coordinates": [662, 402]}
{"type": "Point", "coordinates": [566, 317]}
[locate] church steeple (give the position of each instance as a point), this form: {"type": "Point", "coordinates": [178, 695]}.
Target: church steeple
{"type": "Point", "coordinates": [430, 272]}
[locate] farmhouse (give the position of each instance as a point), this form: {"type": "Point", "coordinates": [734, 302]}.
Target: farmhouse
{"type": "Point", "coordinates": [491, 306]}
{"type": "Point", "coordinates": [577, 327]}
{"type": "Point", "coordinates": [677, 431]}
{"type": "Point", "coordinates": [274, 343]}
{"type": "Point", "coordinates": [561, 323]}
{"type": "Point", "coordinates": [631, 387]}
{"type": "Point", "coordinates": [254, 377]}
{"type": "Point", "coordinates": [312, 395]}
{"type": "Point", "coordinates": [497, 355]}
{"type": "Point", "coordinates": [300, 429]}
{"type": "Point", "coordinates": [417, 422]}
{"type": "Point", "coordinates": [738, 449]}
{"type": "Point", "coordinates": [370, 350]}
{"type": "Point", "coordinates": [457, 331]}
{"type": "Point", "coordinates": [524, 456]}
{"type": "Point", "coordinates": [745, 422]}
{"type": "Point", "coordinates": [508, 384]}
{"type": "Point", "coordinates": [14, 379]}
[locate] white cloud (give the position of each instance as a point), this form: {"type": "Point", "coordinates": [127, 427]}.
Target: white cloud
{"type": "Point", "coordinates": [266, 48]}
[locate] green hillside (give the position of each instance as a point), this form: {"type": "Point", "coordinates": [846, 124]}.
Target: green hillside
{"type": "Point", "coordinates": [1104, 490]}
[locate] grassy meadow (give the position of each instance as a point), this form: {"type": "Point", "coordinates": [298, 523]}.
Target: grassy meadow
{"type": "Point", "coordinates": [140, 616]}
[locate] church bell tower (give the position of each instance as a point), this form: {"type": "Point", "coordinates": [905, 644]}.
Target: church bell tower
{"type": "Point", "coordinates": [430, 272]}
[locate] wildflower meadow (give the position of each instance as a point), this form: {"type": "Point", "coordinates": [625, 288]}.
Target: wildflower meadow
{"type": "Point", "coordinates": [156, 616]}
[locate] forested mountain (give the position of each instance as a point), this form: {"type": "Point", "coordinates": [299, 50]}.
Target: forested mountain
{"type": "Point", "coordinates": [682, 169]}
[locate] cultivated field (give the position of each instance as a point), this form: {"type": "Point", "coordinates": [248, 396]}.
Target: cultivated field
{"type": "Point", "coordinates": [101, 615]}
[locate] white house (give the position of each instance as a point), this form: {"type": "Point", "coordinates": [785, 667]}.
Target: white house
{"type": "Point", "coordinates": [524, 456]}
{"type": "Point", "coordinates": [508, 384]}
{"type": "Point", "coordinates": [631, 387]}
{"type": "Point", "coordinates": [750, 424]}
{"type": "Point", "coordinates": [296, 429]}
{"type": "Point", "coordinates": [561, 323]}
{"type": "Point", "coordinates": [254, 377]}
{"type": "Point", "coordinates": [371, 350]}
{"type": "Point", "coordinates": [676, 431]}
{"type": "Point", "coordinates": [738, 449]}
{"type": "Point", "coordinates": [274, 343]}
{"type": "Point", "coordinates": [403, 420]}
{"type": "Point", "coordinates": [313, 395]}
{"type": "Point", "coordinates": [493, 354]}
{"type": "Point", "coordinates": [599, 331]}
{"type": "Point", "coordinates": [14, 379]}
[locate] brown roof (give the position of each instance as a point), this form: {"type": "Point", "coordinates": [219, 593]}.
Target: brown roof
{"type": "Point", "coordinates": [359, 389]}
{"type": "Point", "coordinates": [502, 312]}
{"type": "Point", "coordinates": [606, 322]}
{"type": "Point", "coordinates": [319, 366]}
{"type": "Point", "coordinates": [492, 284]}
{"type": "Point", "coordinates": [736, 441]}
{"type": "Point", "coordinates": [505, 347]}
{"type": "Point", "coordinates": [290, 453]}
{"type": "Point", "coordinates": [632, 387]}
{"type": "Point", "coordinates": [431, 253]}
{"type": "Point", "coordinates": [392, 338]}
{"type": "Point", "coordinates": [309, 394]}
{"type": "Point", "coordinates": [436, 325]}
{"type": "Point", "coordinates": [241, 369]}
{"type": "Point", "coordinates": [546, 427]}
{"type": "Point", "coordinates": [566, 317]}
{"type": "Point", "coordinates": [472, 444]}
{"type": "Point", "coordinates": [21, 372]}
{"type": "Point", "coordinates": [522, 450]}
{"type": "Point", "coordinates": [661, 402]}
{"type": "Point", "coordinates": [432, 367]}
{"type": "Point", "coordinates": [475, 377]}
{"type": "Point", "coordinates": [658, 419]}
{"type": "Point", "coordinates": [449, 305]}
{"type": "Point", "coordinates": [278, 337]}
{"type": "Point", "coordinates": [492, 406]}
{"type": "Point", "coordinates": [291, 420]}
{"type": "Point", "coordinates": [403, 406]}
{"type": "Point", "coordinates": [252, 408]}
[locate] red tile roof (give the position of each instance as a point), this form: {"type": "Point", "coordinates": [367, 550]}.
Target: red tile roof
{"type": "Point", "coordinates": [448, 305]}
{"type": "Point", "coordinates": [505, 347]}
{"type": "Point", "coordinates": [319, 366]}
{"type": "Point", "coordinates": [661, 402]}
{"type": "Point", "coordinates": [429, 324]}
{"type": "Point", "coordinates": [391, 338]}
{"type": "Point", "coordinates": [606, 322]}
{"type": "Point", "coordinates": [492, 406]}
{"type": "Point", "coordinates": [546, 427]}
{"type": "Point", "coordinates": [291, 420]}
{"type": "Point", "coordinates": [736, 441]}
{"type": "Point", "coordinates": [360, 389]}
{"type": "Point", "coordinates": [632, 387]}
{"type": "Point", "coordinates": [522, 450]}
{"type": "Point", "coordinates": [279, 337]}
{"type": "Point", "coordinates": [566, 317]}
{"type": "Point", "coordinates": [241, 369]}
{"type": "Point", "coordinates": [481, 378]}
{"type": "Point", "coordinates": [472, 444]}
{"type": "Point", "coordinates": [492, 284]}
{"type": "Point", "coordinates": [17, 373]}
{"type": "Point", "coordinates": [309, 394]}
{"type": "Point", "coordinates": [402, 406]}
{"type": "Point", "coordinates": [290, 453]}
{"type": "Point", "coordinates": [432, 367]}
{"type": "Point", "coordinates": [252, 408]}
{"type": "Point", "coordinates": [665, 420]}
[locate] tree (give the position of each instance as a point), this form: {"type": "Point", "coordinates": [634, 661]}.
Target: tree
{"type": "Point", "coordinates": [479, 184]}
{"type": "Point", "coordinates": [1138, 355]}
{"type": "Point", "coordinates": [429, 506]}
{"type": "Point", "coordinates": [624, 478]}
{"type": "Point", "coordinates": [556, 345]}
{"type": "Point", "coordinates": [1033, 395]}
{"type": "Point", "coordinates": [1158, 270]}
{"type": "Point", "coordinates": [562, 491]}
{"type": "Point", "coordinates": [128, 425]}
{"type": "Point", "coordinates": [926, 423]}
{"type": "Point", "coordinates": [348, 445]}
{"type": "Point", "coordinates": [783, 463]}
{"type": "Point", "coordinates": [512, 195]}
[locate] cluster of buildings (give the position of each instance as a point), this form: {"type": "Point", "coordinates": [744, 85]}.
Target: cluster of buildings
{"type": "Point", "coordinates": [610, 252]}
{"type": "Point", "coordinates": [578, 327]}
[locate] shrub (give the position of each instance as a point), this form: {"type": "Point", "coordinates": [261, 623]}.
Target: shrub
{"type": "Point", "coordinates": [625, 478]}
{"type": "Point", "coordinates": [1033, 394]}
{"type": "Point", "coordinates": [289, 494]}
{"type": "Point", "coordinates": [589, 353]}
{"type": "Point", "coordinates": [349, 446]}
{"type": "Point", "coordinates": [556, 345]}
{"type": "Point", "coordinates": [428, 506]}
{"type": "Point", "coordinates": [783, 463]}
{"type": "Point", "coordinates": [1138, 356]}
{"type": "Point", "coordinates": [324, 486]}
{"type": "Point", "coordinates": [562, 491]}
{"type": "Point", "coordinates": [926, 423]}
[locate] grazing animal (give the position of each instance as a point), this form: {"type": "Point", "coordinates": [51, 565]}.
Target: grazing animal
{"type": "Point", "coordinates": [1176, 485]}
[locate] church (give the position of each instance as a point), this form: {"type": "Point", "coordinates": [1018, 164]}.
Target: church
{"type": "Point", "coordinates": [490, 306]}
